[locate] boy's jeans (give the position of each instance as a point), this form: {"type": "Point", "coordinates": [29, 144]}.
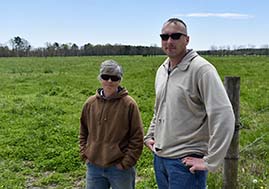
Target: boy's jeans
{"type": "Point", "coordinates": [173, 174]}
{"type": "Point", "coordinates": [104, 178]}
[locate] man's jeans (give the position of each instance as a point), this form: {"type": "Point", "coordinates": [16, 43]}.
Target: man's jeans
{"type": "Point", "coordinates": [173, 174]}
{"type": "Point", "coordinates": [104, 178]}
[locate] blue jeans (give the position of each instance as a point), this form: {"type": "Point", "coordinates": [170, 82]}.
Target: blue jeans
{"type": "Point", "coordinates": [104, 178]}
{"type": "Point", "coordinates": [173, 174]}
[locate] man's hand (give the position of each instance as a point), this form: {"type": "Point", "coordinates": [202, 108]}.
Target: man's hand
{"type": "Point", "coordinates": [194, 163]}
{"type": "Point", "coordinates": [150, 143]}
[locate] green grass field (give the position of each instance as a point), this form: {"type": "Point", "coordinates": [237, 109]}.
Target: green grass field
{"type": "Point", "coordinates": [41, 100]}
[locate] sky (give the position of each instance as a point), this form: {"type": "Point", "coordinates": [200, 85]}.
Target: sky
{"type": "Point", "coordinates": [211, 23]}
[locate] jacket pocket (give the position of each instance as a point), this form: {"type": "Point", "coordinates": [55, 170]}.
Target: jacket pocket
{"type": "Point", "coordinates": [103, 154]}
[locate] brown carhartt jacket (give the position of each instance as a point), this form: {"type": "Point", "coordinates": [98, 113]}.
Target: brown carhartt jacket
{"type": "Point", "coordinates": [111, 130]}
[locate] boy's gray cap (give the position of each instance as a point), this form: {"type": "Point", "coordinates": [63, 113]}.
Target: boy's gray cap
{"type": "Point", "coordinates": [111, 67]}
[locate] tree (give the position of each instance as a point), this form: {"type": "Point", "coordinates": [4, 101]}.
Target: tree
{"type": "Point", "coordinates": [87, 49]}
{"type": "Point", "coordinates": [20, 46]}
{"type": "Point", "coordinates": [4, 51]}
{"type": "Point", "coordinates": [74, 49]}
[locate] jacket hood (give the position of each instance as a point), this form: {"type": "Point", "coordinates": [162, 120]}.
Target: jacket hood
{"type": "Point", "coordinates": [121, 93]}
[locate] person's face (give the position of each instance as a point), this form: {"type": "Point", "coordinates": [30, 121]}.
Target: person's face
{"type": "Point", "coordinates": [174, 47]}
{"type": "Point", "coordinates": [110, 87]}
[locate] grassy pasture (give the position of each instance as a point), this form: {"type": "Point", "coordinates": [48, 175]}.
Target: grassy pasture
{"type": "Point", "coordinates": [41, 100]}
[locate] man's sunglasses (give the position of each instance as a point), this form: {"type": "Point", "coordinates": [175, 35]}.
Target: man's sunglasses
{"type": "Point", "coordinates": [111, 77]}
{"type": "Point", "coordinates": [174, 36]}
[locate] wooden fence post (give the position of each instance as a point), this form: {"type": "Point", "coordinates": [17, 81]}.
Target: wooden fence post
{"type": "Point", "coordinates": [230, 171]}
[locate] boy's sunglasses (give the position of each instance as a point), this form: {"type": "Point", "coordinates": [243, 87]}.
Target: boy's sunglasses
{"type": "Point", "coordinates": [174, 36]}
{"type": "Point", "coordinates": [111, 77]}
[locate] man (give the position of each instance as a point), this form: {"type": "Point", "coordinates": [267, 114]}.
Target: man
{"type": "Point", "coordinates": [111, 133]}
{"type": "Point", "coordinates": [193, 120]}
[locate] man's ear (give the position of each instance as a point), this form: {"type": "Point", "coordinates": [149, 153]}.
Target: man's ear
{"type": "Point", "coordinates": [187, 38]}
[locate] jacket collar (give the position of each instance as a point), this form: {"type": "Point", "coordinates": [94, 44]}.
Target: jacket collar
{"type": "Point", "coordinates": [186, 61]}
{"type": "Point", "coordinates": [121, 92]}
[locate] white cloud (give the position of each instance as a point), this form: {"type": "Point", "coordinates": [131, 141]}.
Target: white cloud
{"type": "Point", "coordinates": [222, 15]}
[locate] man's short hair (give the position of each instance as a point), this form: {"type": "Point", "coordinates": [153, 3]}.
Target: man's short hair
{"type": "Point", "coordinates": [175, 20]}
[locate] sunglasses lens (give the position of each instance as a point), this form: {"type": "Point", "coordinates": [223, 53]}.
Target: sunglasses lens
{"type": "Point", "coordinates": [107, 77]}
{"type": "Point", "coordinates": [164, 37]}
{"type": "Point", "coordinates": [114, 78]}
{"type": "Point", "coordinates": [175, 36]}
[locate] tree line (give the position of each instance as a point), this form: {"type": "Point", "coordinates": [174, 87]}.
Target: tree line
{"type": "Point", "coordinates": [20, 47]}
